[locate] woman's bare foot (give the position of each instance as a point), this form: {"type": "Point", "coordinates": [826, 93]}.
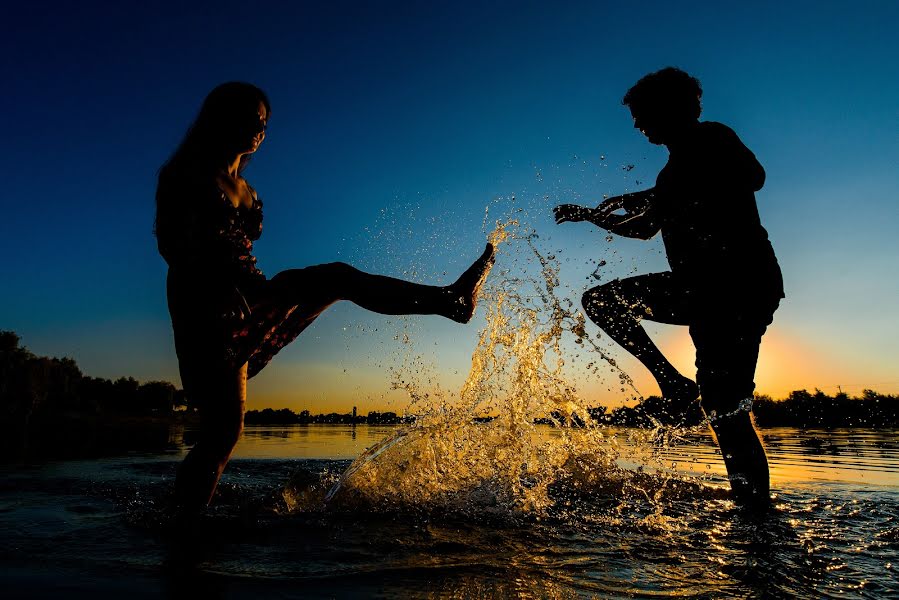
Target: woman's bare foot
{"type": "Point", "coordinates": [464, 292]}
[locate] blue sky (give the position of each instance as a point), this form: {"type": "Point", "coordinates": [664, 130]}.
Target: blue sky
{"type": "Point", "coordinates": [395, 124]}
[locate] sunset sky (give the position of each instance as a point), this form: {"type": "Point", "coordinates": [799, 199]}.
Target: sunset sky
{"type": "Point", "coordinates": [395, 126]}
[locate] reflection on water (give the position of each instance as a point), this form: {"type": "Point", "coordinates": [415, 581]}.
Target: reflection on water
{"type": "Point", "coordinates": [96, 527]}
{"type": "Point", "coordinates": [451, 507]}
{"type": "Point", "coordinates": [867, 456]}
{"type": "Point", "coordinates": [841, 455]}
{"type": "Point", "coordinates": [309, 441]}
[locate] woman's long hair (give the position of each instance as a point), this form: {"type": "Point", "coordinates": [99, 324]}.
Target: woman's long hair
{"type": "Point", "coordinates": [199, 155]}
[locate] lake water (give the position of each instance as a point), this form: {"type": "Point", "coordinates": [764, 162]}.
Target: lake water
{"type": "Point", "coordinates": [659, 523]}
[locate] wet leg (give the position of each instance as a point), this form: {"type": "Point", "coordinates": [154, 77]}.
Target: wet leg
{"type": "Point", "coordinates": [618, 307]}
{"type": "Point", "coordinates": [727, 348]}
{"type": "Point", "coordinates": [320, 286]}
{"type": "Point", "coordinates": [745, 459]}
{"type": "Point", "coordinates": [222, 410]}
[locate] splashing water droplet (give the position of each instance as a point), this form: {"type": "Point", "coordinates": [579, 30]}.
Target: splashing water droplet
{"type": "Point", "coordinates": [484, 449]}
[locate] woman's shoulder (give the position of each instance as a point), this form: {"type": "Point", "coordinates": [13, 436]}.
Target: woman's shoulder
{"type": "Point", "coordinates": [255, 201]}
{"type": "Point", "coordinates": [238, 192]}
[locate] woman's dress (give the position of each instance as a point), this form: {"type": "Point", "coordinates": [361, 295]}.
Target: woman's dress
{"type": "Point", "coordinates": [224, 310]}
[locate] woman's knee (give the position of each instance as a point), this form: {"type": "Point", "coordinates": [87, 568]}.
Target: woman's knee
{"type": "Point", "coordinates": [222, 411]}
{"type": "Point", "coordinates": [340, 273]}
{"type": "Point", "coordinates": [330, 270]}
{"type": "Point", "coordinates": [232, 433]}
{"type": "Point", "coordinates": [222, 434]}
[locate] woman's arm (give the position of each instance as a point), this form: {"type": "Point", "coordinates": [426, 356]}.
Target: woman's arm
{"type": "Point", "coordinates": [192, 226]}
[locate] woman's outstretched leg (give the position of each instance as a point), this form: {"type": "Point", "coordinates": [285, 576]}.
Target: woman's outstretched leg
{"type": "Point", "coordinates": [320, 286]}
{"type": "Point", "coordinates": [222, 404]}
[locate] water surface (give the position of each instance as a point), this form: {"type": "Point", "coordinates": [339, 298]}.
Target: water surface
{"type": "Point", "coordinates": [96, 527]}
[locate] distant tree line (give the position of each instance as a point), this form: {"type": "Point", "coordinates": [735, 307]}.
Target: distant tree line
{"type": "Point", "coordinates": [800, 409]}
{"type": "Point", "coordinates": [285, 416]}
{"type": "Point", "coordinates": [49, 408]}
{"type": "Point", "coordinates": [34, 386]}
{"type": "Point", "coordinates": [804, 409]}
{"type": "Point", "coordinates": [31, 386]}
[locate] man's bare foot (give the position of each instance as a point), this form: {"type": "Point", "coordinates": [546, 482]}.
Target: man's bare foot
{"type": "Point", "coordinates": [682, 391]}
{"type": "Point", "coordinates": [678, 406]}
{"type": "Point", "coordinates": [464, 292]}
{"type": "Point", "coordinates": [681, 398]}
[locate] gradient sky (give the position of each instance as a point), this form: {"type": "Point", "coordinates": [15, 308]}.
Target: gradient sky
{"type": "Point", "coordinates": [395, 124]}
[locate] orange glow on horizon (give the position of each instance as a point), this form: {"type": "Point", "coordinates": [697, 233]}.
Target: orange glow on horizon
{"type": "Point", "coordinates": [786, 363]}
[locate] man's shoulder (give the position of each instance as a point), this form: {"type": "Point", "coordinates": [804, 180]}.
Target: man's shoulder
{"type": "Point", "coordinates": [716, 130]}
{"type": "Point", "coordinates": [718, 138]}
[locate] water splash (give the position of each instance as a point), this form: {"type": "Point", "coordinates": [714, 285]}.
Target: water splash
{"type": "Point", "coordinates": [517, 428]}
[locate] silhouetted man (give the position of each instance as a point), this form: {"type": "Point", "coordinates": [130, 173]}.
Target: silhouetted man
{"type": "Point", "coordinates": [724, 283]}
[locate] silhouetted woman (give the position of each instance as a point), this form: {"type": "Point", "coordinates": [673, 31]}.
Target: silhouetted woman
{"type": "Point", "coordinates": [229, 320]}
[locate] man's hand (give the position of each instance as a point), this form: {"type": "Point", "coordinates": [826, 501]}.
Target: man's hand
{"type": "Point", "coordinates": [630, 215]}
{"type": "Point", "coordinates": [572, 213]}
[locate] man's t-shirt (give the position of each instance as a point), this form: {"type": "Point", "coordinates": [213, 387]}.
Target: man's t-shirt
{"type": "Point", "coordinates": [705, 204]}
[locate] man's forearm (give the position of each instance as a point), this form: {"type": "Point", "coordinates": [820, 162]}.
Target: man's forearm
{"type": "Point", "coordinates": [640, 226]}
{"type": "Point", "coordinates": [638, 220]}
{"type": "Point", "coordinates": [635, 202]}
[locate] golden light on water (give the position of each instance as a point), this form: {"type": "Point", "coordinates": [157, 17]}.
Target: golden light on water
{"type": "Point", "coordinates": [848, 456]}
{"type": "Point", "coordinates": [447, 458]}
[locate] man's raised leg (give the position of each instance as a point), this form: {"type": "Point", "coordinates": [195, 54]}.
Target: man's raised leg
{"type": "Point", "coordinates": [619, 306]}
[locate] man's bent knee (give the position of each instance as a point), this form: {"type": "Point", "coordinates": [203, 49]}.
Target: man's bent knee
{"type": "Point", "coordinates": [602, 304]}
{"type": "Point", "coordinates": [722, 393]}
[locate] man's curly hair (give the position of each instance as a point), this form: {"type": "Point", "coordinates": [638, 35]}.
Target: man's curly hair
{"type": "Point", "coordinates": [668, 91]}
